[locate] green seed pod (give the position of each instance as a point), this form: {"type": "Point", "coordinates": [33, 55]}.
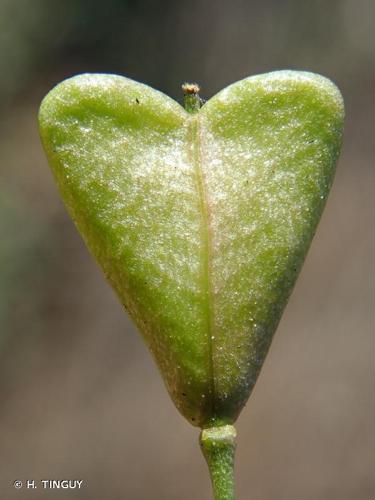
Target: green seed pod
{"type": "Point", "coordinates": [200, 220]}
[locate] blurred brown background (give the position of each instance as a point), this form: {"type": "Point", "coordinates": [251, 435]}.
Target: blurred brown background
{"type": "Point", "coordinates": [80, 396]}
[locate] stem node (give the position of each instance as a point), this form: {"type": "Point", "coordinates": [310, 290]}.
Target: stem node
{"type": "Point", "coordinates": [218, 446]}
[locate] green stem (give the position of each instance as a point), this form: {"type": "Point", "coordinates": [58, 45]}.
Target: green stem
{"type": "Point", "coordinates": [218, 445]}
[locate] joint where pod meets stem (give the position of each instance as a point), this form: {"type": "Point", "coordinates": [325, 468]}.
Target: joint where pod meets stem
{"type": "Point", "coordinates": [218, 445]}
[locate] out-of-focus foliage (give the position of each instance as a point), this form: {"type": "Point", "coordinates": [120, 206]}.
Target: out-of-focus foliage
{"type": "Point", "coordinates": [19, 240]}
{"type": "Point", "coordinates": [177, 41]}
{"type": "Point", "coordinates": [35, 34]}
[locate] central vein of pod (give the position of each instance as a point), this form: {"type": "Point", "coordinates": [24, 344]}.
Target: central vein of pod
{"type": "Point", "coordinates": [206, 250]}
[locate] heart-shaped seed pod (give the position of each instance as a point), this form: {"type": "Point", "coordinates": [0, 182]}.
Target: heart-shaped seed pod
{"type": "Point", "coordinates": [201, 220]}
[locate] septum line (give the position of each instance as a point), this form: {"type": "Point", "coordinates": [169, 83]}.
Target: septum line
{"type": "Point", "coordinates": [207, 251]}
